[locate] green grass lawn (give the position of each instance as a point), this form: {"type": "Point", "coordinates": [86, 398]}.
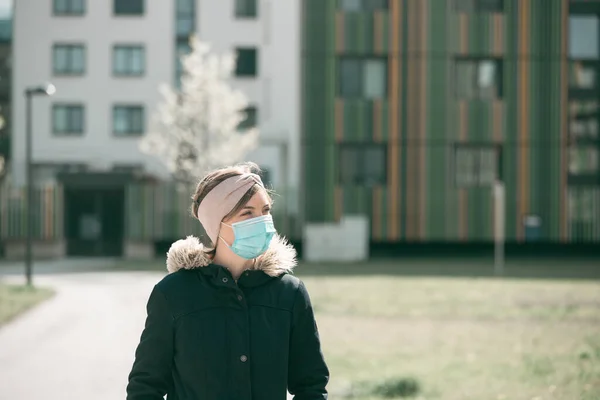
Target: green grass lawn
{"type": "Point", "coordinates": [15, 300]}
{"type": "Point", "coordinates": [459, 338]}
{"type": "Point", "coordinates": [451, 330]}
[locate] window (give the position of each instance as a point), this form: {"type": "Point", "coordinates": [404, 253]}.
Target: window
{"type": "Point", "coordinates": [363, 164]}
{"type": "Point", "coordinates": [183, 48]}
{"type": "Point", "coordinates": [476, 165]}
{"type": "Point", "coordinates": [478, 79]}
{"type": "Point", "coordinates": [583, 37]}
{"type": "Point", "coordinates": [265, 176]}
{"type": "Point", "coordinates": [583, 121]}
{"type": "Point", "coordinates": [246, 8]}
{"type": "Point", "coordinates": [68, 59]}
{"type": "Point", "coordinates": [246, 62]}
{"type": "Point", "coordinates": [583, 75]}
{"type": "Point", "coordinates": [129, 60]}
{"type": "Point", "coordinates": [583, 159]}
{"type": "Point", "coordinates": [362, 78]}
{"type": "Point", "coordinates": [68, 119]}
{"type": "Point", "coordinates": [185, 18]}
{"type": "Point", "coordinates": [362, 5]}
{"type": "Point", "coordinates": [582, 204]}
{"type": "Point", "coordinates": [471, 6]}
{"type": "Point", "coordinates": [250, 119]}
{"type": "Point", "coordinates": [69, 7]}
{"type": "Point", "coordinates": [128, 7]}
{"type": "Point", "coordinates": [128, 120]}
{"type": "Point", "coordinates": [584, 142]}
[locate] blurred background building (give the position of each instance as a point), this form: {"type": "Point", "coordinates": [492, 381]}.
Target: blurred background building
{"type": "Point", "coordinates": [400, 113]}
{"type": "Point", "coordinates": [412, 109]}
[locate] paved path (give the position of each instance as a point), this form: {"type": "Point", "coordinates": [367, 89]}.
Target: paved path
{"type": "Point", "coordinates": [80, 344]}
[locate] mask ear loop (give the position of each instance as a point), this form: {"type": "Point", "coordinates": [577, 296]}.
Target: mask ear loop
{"type": "Point", "coordinates": [223, 240]}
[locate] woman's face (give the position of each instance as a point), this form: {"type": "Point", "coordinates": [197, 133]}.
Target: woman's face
{"type": "Point", "coordinates": [259, 205]}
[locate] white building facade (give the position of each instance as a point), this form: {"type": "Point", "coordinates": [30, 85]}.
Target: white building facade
{"type": "Point", "coordinates": [108, 58]}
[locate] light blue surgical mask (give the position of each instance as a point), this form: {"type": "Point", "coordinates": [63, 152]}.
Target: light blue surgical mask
{"type": "Point", "coordinates": [252, 236]}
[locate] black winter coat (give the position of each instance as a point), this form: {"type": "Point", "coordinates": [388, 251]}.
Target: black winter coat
{"type": "Point", "coordinates": [210, 338]}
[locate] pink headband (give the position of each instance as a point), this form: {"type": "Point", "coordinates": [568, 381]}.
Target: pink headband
{"type": "Point", "coordinates": [220, 201]}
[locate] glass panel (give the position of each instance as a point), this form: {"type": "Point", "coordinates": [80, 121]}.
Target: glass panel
{"type": "Point", "coordinates": [466, 166]}
{"type": "Point", "coordinates": [78, 6]}
{"type": "Point", "coordinates": [120, 66]}
{"type": "Point", "coordinates": [61, 62]}
{"type": "Point", "coordinates": [581, 205]}
{"type": "Point", "coordinates": [350, 85]}
{"type": "Point", "coordinates": [583, 120]}
{"type": "Point", "coordinates": [465, 76]}
{"type": "Point", "coordinates": [487, 166]}
{"type": "Point", "coordinates": [374, 79]}
{"type": "Point", "coordinates": [137, 120]}
{"type": "Point", "coordinates": [137, 60]}
{"type": "Point", "coordinates": [77, 59]}
{"type": "Point", "coordinates": [120, 120]}
{"type": "Point", "coordinates": [61, 6]}
{"type": "Point", "coordinates": [185, 25]}
{"type": "Point", "coordinates": [245, 8]}
{"type": "Point", "coordinates": [350, 5]}
{"type": "Point", "coordinates": [350, 166]}
{"type": "Point", "coordinates": [76, 119]}
{"type": "Point", "coordinates": [582, 76]}
{"type": "Point", "coordinates": [246, 62]}
{"type": "Point", "coordinates": [250, 118]}
{"type": "Point", "coordinates": [583, 160]}
{"type": "Point", "coordinates": [60, 119]}
{"type": "Point", "coordinates": [583, 36]}
{"type": "Point", "coordinates": [185, 7]}
{"type": "Point", "coordinates": [129, 6]}
{"type": "Point", "coordinates": [486, 79]}
{"type": "Point", "coordinates": [374, 165]}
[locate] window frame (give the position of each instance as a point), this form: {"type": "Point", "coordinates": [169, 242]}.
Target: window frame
{"type": "Point", "coordinates": [499, 63]}
{"type": "Point", "coordinates": [129, 132]}
{"type": "Point", "coordinates": [68, 133]}
{"type": "Point", "coordinates": [238, 15]}
{"type": "Point", "coordinates": [69, 46]}
{"type": "Point", "coordinates": [126, 15]}
{"type": "Point", "coordinates": [69, 13]}
{"type": "Point", "coordinates": [238, 51]}
{"type": "Point", "coordinates": [128, 46]}
{"type": "Point", "coordinates": [362, 60]}
{"type": "Point", "coordinates": [361, 148]}
{"type": "Point", "coordinates": [477, 146]}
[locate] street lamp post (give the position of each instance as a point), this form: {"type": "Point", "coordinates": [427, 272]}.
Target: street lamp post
{"type": "Point", "coordinates": [45, 90]}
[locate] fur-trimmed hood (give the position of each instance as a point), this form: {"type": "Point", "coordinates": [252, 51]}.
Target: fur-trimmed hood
{"type": "Point", "coordinates": [189, 253]}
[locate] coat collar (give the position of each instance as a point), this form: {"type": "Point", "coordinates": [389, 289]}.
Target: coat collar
{"type": "Point", "coordinates": [280, 257]}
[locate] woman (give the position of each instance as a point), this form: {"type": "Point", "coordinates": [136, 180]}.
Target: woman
{"type": "Point", "coordinates": [230, 321]}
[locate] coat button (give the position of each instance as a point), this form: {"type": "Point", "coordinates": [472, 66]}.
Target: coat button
{"type": "Point", "coordinates": [225, 280]}
{"type": "Point", "coordinates": [243, 358]}
{"type": "Point", "coordinates": [239, 297]}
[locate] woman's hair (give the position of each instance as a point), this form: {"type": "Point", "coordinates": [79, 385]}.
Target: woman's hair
{"type": "Point", "coordinates": [213, 178]}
